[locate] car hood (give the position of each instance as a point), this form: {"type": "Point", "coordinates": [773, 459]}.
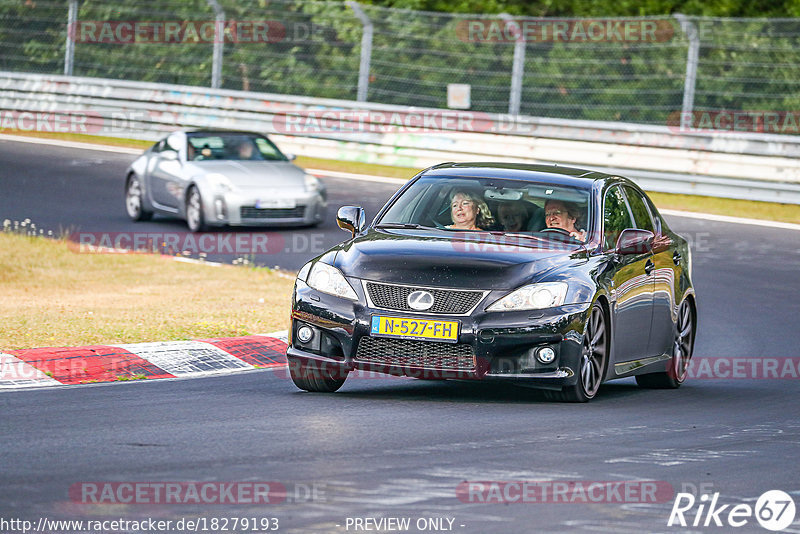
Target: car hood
{"type": "Point", "coordinates": [428, 258]}
{"type": "Point", "coordinates": [254, 174]}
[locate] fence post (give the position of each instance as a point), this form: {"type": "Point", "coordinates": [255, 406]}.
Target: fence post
{"type": "Point", "coordinates": [690, 30]}
{"type": "Point", "coordinates": [69, 54]}
{"type": "Point", "coordinates": [518, 66]}
{"type": "Point", "coordinates": [219, 38]}
{"type": "Point", "coordinates": [366, 51]}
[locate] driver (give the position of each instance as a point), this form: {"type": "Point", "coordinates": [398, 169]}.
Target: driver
{"type": "Point", "coordinates": [558, 214]}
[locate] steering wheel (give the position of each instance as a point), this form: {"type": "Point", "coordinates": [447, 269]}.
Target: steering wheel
{"type": "Point", "coordinates": [556, 229]}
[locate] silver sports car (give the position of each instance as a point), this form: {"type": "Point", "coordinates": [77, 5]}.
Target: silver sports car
{"type": "Point", "coordinates": [216, 178]}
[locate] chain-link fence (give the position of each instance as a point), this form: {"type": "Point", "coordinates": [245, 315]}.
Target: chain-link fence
{"type": "Point", "coordinates": [639, 70]}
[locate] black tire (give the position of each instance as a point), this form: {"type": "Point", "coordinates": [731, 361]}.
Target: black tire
{"type": "Point", "coordinates": [682, 348]}
{"type": "Point", "coordinates": [594, 360]}
{"type": "Point", "coordinates": [195, 218]}
{"type": "Point", "coordinates": [134, 203]}
{"type": "Point", "coordinates": [313, 377]}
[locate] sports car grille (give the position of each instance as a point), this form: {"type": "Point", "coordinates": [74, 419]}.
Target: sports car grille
{"type": "Point", "coordinates": [452, 301]}
{"type": "Point", "coordinates": [251, 212]}
{"type": "Point", "coordinates": [412, 353]}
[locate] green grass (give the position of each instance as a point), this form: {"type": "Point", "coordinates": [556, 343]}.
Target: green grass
{"type": "Point", "coordinates": [770, 211]}
{"type": "Point", "coordinates": [52, 295]}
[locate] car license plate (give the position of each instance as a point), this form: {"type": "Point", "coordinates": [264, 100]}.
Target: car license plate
{"type": "Point", "coordinates": [405, 327]}
{"type": "Point", "coordinates": [276, 203]}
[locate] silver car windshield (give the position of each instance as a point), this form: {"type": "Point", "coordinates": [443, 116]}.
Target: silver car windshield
{"type": "Point", "coordinates": [231, 146]}
{"type": "Point", "coordinates": [544, 210]}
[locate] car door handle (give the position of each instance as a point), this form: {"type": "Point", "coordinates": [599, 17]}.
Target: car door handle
{"type": "Point", "coordinates": [649, 266]}
{"type": "Point", "coordinates": [676, 258]}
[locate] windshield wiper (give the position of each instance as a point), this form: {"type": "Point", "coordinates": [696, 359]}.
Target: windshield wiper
{"type": "Point", "coordinates": [400, 225]}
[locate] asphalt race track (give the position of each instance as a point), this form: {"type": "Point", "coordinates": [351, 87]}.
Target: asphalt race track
{"type": "Point", "coordinates": [402, 448]}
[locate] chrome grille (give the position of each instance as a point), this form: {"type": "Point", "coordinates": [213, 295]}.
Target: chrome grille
{"type": "Point", "coordinates": [412, 353]}
{"type": "Point", "coordinates": [447, 301]}
{"type": "Point", "coordinates": [251, 212]}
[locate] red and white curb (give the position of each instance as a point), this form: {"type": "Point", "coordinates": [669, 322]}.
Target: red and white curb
{"type": "Point", "coordinates": [60, 366]}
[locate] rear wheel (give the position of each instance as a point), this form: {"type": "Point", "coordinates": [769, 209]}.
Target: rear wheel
{"type": "Point", "coordinates": [594, 359]}
{"type": "Point", "coordinates": [195, 219]}
{"type": "Point", "coordinates": [134, 203]}
{"type": "Point", "coordinates": [315, 377]}
{"type": "Point", "coordinates": [682, 348]}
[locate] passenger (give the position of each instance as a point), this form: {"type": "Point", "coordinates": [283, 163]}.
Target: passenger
{"type": "Point", "coordinates": [245, 150]}
{"type": "Point", "coordinates": [563, 215]}
{"type": "Point", "coordinates": [514, 217]}
{"type": "Point", "coordinates": [469, 212]}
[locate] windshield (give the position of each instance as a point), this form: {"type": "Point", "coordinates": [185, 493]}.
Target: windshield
{"type": "Point", "coordinates": [543, 210]}
{"type": "Point", "coordinates": [232, 146]}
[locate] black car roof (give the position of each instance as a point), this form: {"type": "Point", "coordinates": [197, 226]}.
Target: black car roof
{"type": "Point", "coordinates": [555, 174]}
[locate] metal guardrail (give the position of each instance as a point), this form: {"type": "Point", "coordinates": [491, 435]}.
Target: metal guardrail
{"type": "Point", "coordinates": [732, 165]}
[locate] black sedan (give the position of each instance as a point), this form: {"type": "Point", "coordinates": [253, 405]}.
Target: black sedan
{"type": "Point", "coordinates": [545, 276]}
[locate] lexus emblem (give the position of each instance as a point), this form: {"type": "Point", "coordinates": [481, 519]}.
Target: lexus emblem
{"type": "Point", "coordinates": [420, 300]}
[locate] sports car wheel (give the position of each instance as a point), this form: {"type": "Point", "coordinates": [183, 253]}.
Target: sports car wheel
{"type": "Point", "coordinates": [195, 219]}
{"type": "Point", "coordinates": [594, 359]}
{"type": "Point", "coordinates": [133, 200]}
{"type": "Point", "coordinates": [682, 348]}
{"type": "Point", "coordinates": [313, 377]}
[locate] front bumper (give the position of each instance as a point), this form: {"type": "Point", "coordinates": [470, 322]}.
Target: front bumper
{"type": "Point", "coordinates": [502, 345]}
{"type": "Point", "coordinates": [238, 208]}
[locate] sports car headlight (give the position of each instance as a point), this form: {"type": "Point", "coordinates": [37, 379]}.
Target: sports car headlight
{"type": "Point", "coordinates": [312, 182]}
{"type": "Point", "coordinates": [219, 181]}
{"type": "Point", "coordinates": [302, 274]}
{"type": "Point", "coordinates": [330, 280]}
{"type": "Point", "coordinates": [532, 297]}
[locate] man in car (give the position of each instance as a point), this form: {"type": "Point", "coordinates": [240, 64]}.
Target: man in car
{"type": "Point", "coordinates": [564, 215]}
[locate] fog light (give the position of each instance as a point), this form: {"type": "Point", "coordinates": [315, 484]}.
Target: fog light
{"type": "Point", "coordinates": [546, 355]}
{"type": "Point", "coordinates": [304, 334]}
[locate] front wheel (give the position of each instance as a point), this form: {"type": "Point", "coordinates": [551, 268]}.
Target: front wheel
{"type": "Point", "coordinates": [593, 363]}
{"type": "Point", "coordinates": [134, 203]}
{"type": "Point", "coordinates": [195, 219]}
{"type": "Point", "coordinates": [682, 348]}
{"type": "Point", "coordinates": [315, 377]}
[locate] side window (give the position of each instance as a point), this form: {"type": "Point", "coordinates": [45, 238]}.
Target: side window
{"type": "Point", "coordinates": [616, 217]}
{"type": "Point", "coordinates": [159, 147]}
{"type": "Point", "coordinates": [641, 215]}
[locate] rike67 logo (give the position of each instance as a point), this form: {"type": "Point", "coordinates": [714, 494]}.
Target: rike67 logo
{"type": "Point", "coordinates": [774, 510]}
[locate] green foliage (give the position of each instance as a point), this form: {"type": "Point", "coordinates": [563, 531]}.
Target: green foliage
{"type": "Point", "coordinates": [315, 48]}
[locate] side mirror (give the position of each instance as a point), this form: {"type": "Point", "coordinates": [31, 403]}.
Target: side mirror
{"type": "Point", "coordinates": [634, 241]}
{"type": "Point", "coordinates": [290, 157]}
{"type": "Point", "coordinates": [169, 155]}
{"type": "Point", "coordinates": [351, 219]}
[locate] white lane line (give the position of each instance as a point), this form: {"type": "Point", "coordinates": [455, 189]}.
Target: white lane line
{"type": "Point", "coordinates": [182, 358]}
{"type": "Point", "coordinates": [15, 373]}
{"type": "Point", "coordinates": [70, 144]}
{"type": "Point", "coordinates": [729, 219]}
{"type": "Point", "coordinates": [363, 177]}
{"type": "Point", "coordinates": [398, 181]}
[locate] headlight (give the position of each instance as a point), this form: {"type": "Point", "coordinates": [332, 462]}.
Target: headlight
{"type": "Point", "coordinates": [312, 182]}
{"type": "Point", "coordinates": [532, 297]}
{"type": "Point", "coordinates": [219, 181]}
{"type": "Point", "coordinates": [303, 272]}
{"type": "Point", "coordinates": [330, 280]}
